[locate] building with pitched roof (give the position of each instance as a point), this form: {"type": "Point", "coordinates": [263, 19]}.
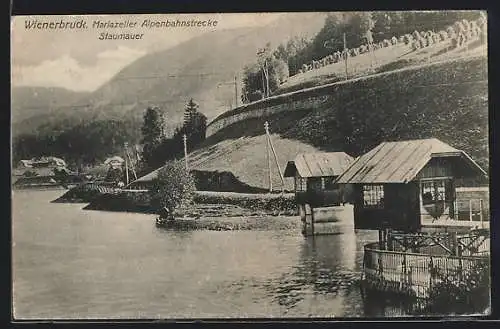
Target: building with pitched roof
{"type": "Point", "coordinates": [405, 184]}
{"type": "Point", "coordinates": [315, 174]}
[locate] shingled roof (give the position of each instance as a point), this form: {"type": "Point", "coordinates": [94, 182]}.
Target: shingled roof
{"type": "Point", "coordinates": [400, 162]}
{"type": "Point", "coordinates": [319, 164]}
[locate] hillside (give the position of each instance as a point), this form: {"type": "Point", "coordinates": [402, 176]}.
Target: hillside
{"type": "Point", "coordinates": [28, 102]}
{"type": "Point", "coordinates": [382, 60]}
{"type": "Point", "coordinates": [202, 68]}
{"type": "Point", "coordinates": [446, 100]}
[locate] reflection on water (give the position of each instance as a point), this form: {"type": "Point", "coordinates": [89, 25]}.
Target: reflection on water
{"type": "Point", "coordinates": [70, 263]}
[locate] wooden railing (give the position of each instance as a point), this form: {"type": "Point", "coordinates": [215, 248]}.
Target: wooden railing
{"type": "Point", "coordinates": [423, 260]}
{"type": "Point", "coordinates": [102, 187]}
{"type": "Point", "coordinates": [412, 274]}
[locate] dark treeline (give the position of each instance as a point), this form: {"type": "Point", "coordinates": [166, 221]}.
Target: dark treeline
{"type": "Point", "coordinates": [158, 148]}
{"type": "Point", "coordinates": [360, 28]}
{"type": "Point", "coordinates": [89, 143]}
{"type": "Point", "coordinates": [86, 143]}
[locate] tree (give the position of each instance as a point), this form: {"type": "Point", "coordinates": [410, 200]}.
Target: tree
{"type": "Point", "coordinates": [189, 113]}
{"type": "Point", "coordinates": [253, 82]}
{"type": "Point", "coordinates": [254, 78]}
{"type": "Point", "coordinates": [195, 125]}
{"type": "Point", "coordinates": [152, 136]}
{"type": "Point", "coordinates": [294, 53]}
{"type": "Point", "coordinates": [174, 187]}
{"type": "Point", "coordinates": [355, 25]}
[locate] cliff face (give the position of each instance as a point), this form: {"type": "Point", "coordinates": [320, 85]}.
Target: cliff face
{"type": "Point", "coordinates": [447, 100]}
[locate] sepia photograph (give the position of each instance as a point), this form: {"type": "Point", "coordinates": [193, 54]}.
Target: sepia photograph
{"type": "Point", "coordinates": [275, 165]}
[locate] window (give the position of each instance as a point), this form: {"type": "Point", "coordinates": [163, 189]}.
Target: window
{"type": "Point", "coordinates": [300, 184]}
{"type": "Point", "coordinates": [433, 192]}
{"type": "Point", "coordinates": [373, 196]}
{"type": "Point", "coordinates": [330, 183]}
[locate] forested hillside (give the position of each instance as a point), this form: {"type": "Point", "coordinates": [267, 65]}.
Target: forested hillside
{"type": "Point", "coordinates": [448, 101]}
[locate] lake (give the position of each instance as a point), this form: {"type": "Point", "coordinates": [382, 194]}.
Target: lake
{"type": "Point", "coordinates": [70, 263]}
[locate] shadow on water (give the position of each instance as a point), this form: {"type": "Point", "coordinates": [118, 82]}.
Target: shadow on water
{"type": "Point", "coordinates": [327, 267]}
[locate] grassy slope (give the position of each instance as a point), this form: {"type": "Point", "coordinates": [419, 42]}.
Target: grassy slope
{"type": "Point", "coordinates": [445, 100]}
{"type": "Point", "coordinates": [382, 60]}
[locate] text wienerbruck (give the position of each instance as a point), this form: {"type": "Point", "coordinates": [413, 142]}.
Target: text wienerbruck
{"type": "Point", "coordinates": [62, 24]}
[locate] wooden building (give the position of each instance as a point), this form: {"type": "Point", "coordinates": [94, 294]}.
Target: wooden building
{"type": "Point", "coordinates": [408, 184]}
{"type": "Point", "coordinates": [314, 177]}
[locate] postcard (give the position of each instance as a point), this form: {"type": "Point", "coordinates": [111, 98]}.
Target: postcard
{"type": "Point", "coordinates": [250, 165]}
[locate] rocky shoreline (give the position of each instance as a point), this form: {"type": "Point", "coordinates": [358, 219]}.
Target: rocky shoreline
{"type": "Point", "coordinates": [257, 223]}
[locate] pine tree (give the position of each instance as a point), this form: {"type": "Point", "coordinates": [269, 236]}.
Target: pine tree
{"type": "Point", "coordinates": [153, 135]}
{"type": "Point", "coordinates": [195, 124]}
{"type": "Point", "coordinates": [189, 116]}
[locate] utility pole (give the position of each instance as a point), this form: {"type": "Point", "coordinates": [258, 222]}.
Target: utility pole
{"type": "Point", "coordinates": [266, 126]}
{"type": "Point", "coordinates": [130, 159]}
{"type": "Point", "coordinates": [267, 77]}
{"type": "Point", "coordinates": [235, 83]}
{"type": "Point", "coordinates": [270, 143]}
{"type": "Point", "coordinates": [235, 91]}
{"type": "Point", "coordinates": [184, 138]}
{"type": "Point", "coordinates": [346, 56]}
{"type": "Point", "coordinates": [126, 163]}
{"type": "Point", "coordinates": [265, 73]}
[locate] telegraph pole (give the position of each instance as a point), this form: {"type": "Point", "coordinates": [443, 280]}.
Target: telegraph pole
{"type": "Point", "coordinates": [235, 91]}
{"type": "Point", "coordinates": [126, 162]}
{"type": "Point", "coordinates": [130, 159]}
{"type": "Point", "coordinates": [235, 83]}
{"type": "Point", "coordinates": [266, 126]}
{"type": "Point", "coordinates": [265, 73]}
{"type": "Point", "coordinates": [267, 77]}
{"type": "Point", "coordinates": [270, 143]}
{"type": "Point", "coordinates": [345, 53]}
{"type": "Point", "coordinates": [184, 138]}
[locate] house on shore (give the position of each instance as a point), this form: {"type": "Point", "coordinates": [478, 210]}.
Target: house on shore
{"type": "Point", "coordinates": [114, 162]}
{"type": "Point", "coordinates": [43, 166]}
{"type": "Point", "coordinates": [407, 185]}
{"type": "Point", "coordinates": [315, 177]}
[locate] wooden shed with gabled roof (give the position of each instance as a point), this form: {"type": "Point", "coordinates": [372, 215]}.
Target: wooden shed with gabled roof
{"type": "Point", "coordinates": [315, 173]}
{"type": "Point", "coordinates": [400, 185]}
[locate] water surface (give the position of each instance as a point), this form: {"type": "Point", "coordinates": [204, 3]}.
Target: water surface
{"type": "Point", "coordinates": [71, 263]}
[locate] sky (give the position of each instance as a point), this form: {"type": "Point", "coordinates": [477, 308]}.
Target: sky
{"type": "Point", "coordinates": [76, 59]}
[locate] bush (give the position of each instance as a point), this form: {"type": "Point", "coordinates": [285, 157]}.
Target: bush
{"type": "Point", "coordinates": [443, 35]}
{"type": "Point", "coordinates": [468, 293]}
{"type": "Point", "coordinates": [256, 202]}
{"type": "Point", "coordinates": [255, 96]}
{"type": "Point", "coordinates": [407, 39]}
{"type": "Point", "coordinates": [30, 173]}
{"type": "Point", "coordinates": [174, 187]}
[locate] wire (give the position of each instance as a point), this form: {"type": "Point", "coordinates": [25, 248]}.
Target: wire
{"type": "Point", "coordinates": [147, 77]}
